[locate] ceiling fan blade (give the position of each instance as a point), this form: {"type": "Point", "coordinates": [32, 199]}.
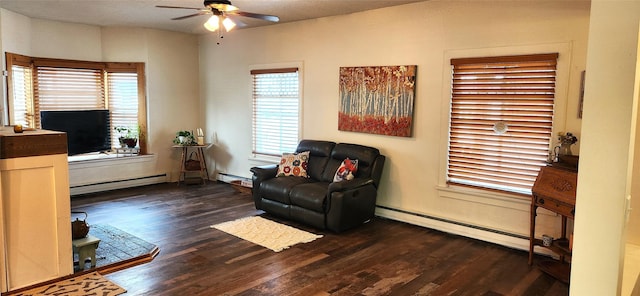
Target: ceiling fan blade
{"type": "Point", "coordinates": [236, 20]}
{"type": "Point", "coordinates": [180, 7]}
{"type": "Point", "coordinates": [191, 15]}
{"type": "Point", "coordinates": [271, 18]}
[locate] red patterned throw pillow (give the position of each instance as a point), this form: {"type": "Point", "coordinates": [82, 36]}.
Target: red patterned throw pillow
{"type": "Point", "coordinates": [293, 164]}
{"type": "Point", "coordinates": [346, 170]}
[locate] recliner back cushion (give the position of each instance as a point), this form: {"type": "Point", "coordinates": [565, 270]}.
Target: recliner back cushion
{"type": "Point", "coordinates": [364, 154]}
{"type": "Point", "coordinates": [320, 151]}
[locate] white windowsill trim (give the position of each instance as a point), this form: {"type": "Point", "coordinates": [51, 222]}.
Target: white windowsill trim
{"type": "Point", "coordinates": [264, 159]}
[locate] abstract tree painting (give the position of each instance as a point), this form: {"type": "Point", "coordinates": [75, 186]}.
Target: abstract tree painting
{"type": "Point", "coordinates": [377, 100]}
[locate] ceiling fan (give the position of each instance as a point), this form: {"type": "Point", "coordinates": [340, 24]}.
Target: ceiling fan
{"type": "Point", "coordinates": [221, 11]}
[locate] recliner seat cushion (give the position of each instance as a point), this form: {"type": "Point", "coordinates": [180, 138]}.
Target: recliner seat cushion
{"type": "Point", "coordinates": [310, 196]}
{"type": "Point", "coordinates": [279, 188]}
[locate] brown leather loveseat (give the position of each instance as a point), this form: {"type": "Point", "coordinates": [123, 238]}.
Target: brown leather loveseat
{"type": "Point", "coordinates": [317, 200]}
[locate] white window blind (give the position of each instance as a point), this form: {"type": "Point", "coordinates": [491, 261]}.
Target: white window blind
{"type": "Point", "coordinates": [69, 89]}
{"type": "Point", "coordinates": [123, 101]}
{"type": "Point", "coordinates": [22, 107]}
{"type": "Point", "coordinates": [501, 120]}
{"type": "Point", "coordinates": [276, 105]}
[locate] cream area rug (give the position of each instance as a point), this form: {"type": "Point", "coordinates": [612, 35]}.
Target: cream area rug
{"type": "Point", "coordinates": [84, 285]}
{"type": "Point", "coordinates": [269, 234]}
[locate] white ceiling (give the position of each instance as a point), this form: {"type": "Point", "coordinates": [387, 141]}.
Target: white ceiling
{"type": "Point", "coordinates": [143, 13]}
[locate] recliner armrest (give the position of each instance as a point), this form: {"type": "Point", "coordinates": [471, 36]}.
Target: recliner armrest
{"type": "Point", "coordinates": [264, 172]}
{"type": "Point", "coordinates": [350, 184]}
{"type": "Point", "coordinates": [260, 174]}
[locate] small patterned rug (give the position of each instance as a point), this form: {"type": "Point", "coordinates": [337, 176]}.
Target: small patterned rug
{"type": "Point", "coordinates": [83, 285]}
{"type": "Point", "coordinates": [269, 234]}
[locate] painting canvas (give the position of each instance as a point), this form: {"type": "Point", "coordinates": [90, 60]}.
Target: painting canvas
{"type": "Point", "coordinates": [377, 100]}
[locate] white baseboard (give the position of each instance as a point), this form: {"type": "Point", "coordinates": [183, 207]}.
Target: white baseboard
{"type": "Point", "coordinates": [509, 240]}
{"type": "Point", "coordinates": [118, 184]}
{"type": "Point", "coordinates": [227, 178]}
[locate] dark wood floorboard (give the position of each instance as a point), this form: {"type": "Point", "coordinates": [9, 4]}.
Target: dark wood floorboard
{"type": "Point", "coordinates": [382, 257]}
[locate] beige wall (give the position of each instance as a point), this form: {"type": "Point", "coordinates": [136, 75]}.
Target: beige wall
{"type": "Point", "coordinates": [426, 34]}
{"type": "Point", "coordinates": [172, 69]}
{"type": "Point", "coordinates": [65, 40]}
{"type": "Point", "coordinates": [607, 159]}
{"type": "Point", "coordinates": [633, 225]}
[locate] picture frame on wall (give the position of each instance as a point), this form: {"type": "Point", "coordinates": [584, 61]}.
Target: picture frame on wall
{"type": "Point", "coordinates": [377, 99]}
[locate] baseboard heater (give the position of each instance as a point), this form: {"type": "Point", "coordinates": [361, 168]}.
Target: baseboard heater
{"type": "Point", "coordinates": [117, 184]}
{"type": "Point", "coordinates": [227, 178]}
{"type": "Point", "coordinates": [504, 238]}
{"type": "Point", "coordinates": [455, 222]}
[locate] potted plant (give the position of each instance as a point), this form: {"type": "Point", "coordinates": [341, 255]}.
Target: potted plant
{"type": "Point", "coordinates": [128, 136]}
{"type": "Point", "coordinates": [184, 138]}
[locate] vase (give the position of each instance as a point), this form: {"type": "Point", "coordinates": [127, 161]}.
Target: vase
{"type": "Point", "coordinates": [565, 149]}
{"type": "Point", "coordinates": [130, 142]}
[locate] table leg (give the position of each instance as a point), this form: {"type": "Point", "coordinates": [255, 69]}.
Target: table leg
{"type": "Point", "coordinates": [200, 154]}
{"type": "Point", "coordinates": [204, 162]}
{"type": "Point", "coordinates": [563, 234]}
{"type": "Point", "coordinates": [183, 159]}
{"type": "Point", "coordinates": [532, 231]}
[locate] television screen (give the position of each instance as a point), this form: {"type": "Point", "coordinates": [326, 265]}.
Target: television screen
{"type": "Point", "coordinates": [87, 130]}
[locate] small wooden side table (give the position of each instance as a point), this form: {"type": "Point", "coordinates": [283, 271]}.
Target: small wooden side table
{"type": "Point", "coordinates": [203, 170]}
{"type": "Point", "coordinates": [86, 248]}
{"type": "Point", "coordinates": [554, 190]}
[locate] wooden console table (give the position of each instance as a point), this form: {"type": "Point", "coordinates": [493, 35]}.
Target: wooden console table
{"type": "Point", "coordinates": [199, 152]}
{"type": "Point", "coordinates": [554, 190]}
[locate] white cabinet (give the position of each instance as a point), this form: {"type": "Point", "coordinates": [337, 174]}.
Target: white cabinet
{"type": "Point", "coordinates": [35, 209]}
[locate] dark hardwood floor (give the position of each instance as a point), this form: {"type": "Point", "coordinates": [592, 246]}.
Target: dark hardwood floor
{"type": "Point", "coordinates": [382, 257]}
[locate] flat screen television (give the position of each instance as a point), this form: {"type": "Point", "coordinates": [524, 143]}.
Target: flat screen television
{"type": "Point", "coordinates": [87, 130]}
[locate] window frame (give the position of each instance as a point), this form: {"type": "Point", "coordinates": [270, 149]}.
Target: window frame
{"type": "Point", "coordinates": [501, 58]}
{"type": "Point", "coordinates": [275, 68]}
{"type": "Point", "coordinates": [105, 67]}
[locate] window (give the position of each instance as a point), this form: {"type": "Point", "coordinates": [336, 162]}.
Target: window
{"type": "Point", "coordinates": [20, 106]}
{"type": "Point", "coordinates": [276, 106]}
{"type": "Point", "coordinates": [123, 101]}
{"type": "Point", "coordinates": [39, 84]}
{"type": "Point", "coordinates": [501, 120]}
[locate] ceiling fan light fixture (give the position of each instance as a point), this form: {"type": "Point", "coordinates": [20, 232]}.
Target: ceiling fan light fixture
{"type": "Point", "coordinates": [228, 24]}
{"type": "Point", "coordinates": [224, 7]}
{"type": "Point", "coordinates": [213, 24]}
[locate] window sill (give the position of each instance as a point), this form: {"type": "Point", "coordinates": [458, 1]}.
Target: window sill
{"type": "Point", "coordinates": [92, 160]}
{"type": "Point", "coordinates": [264, 160]}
